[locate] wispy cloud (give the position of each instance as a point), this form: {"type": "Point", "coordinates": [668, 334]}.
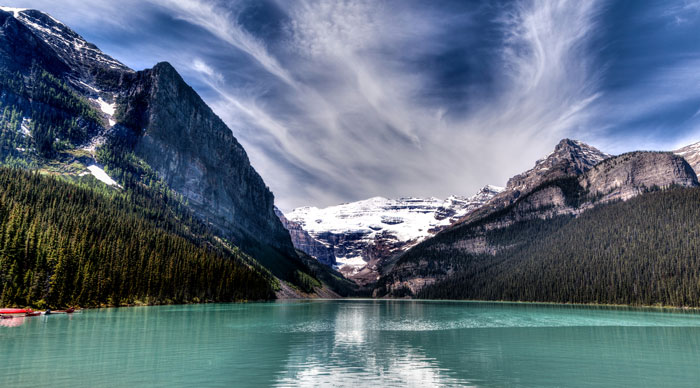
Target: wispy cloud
{"type": "Point", "coordinates": [356, 121]}
{"type": "Point", "coordinates": [683, 11]}
{"type": "Point", "coordinates": [223, 23]}
{"type": "Point", "coordinates": [347, 99]}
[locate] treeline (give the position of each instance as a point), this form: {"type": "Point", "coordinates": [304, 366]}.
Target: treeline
{"type": "Point", "coordinates": [62, 245]}
{"type": "Point", "coordinates": [645, 251]}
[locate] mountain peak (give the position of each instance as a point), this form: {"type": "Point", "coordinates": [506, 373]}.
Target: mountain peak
{"type": "Point", "coordinates": [84, 60]}
{"type": "Point", "coordinates": [570, 157]}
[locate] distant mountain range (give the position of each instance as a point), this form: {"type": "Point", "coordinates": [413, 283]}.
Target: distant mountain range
{"type": "Point", "coordinates": [359, 237]}
{"type": "Point", "coordinates": [572, 180]}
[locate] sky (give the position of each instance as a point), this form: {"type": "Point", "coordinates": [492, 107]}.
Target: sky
{"type": "Point", "coordinates": [338, 101]}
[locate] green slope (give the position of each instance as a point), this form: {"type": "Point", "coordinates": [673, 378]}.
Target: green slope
{"type": "Point", "coordinates": [67, 244]}
{"type": "Point", "coordinates": [645, 251]}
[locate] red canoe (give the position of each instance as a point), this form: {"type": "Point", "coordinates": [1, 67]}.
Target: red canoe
{"type": "Point", "coordinates": [15, 311]}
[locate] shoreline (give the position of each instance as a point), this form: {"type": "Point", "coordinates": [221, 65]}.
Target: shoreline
{"type": "Point", "coordinates": [475, 301]}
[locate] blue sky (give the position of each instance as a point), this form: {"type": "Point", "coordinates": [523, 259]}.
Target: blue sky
{"type": "Point", "coordinates": [337, 101]}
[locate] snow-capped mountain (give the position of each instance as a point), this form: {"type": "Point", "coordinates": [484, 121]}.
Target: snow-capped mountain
{"type": "Point", "coordinates": [364, 233]}
{"type": "Point", "coordinates": [73, 50]}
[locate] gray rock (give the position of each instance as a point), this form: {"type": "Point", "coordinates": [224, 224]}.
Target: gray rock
{"type": "Point", "coordinates": [629, 175]}
{"type": "Point", "coordinates": [195, 153]}
{"type": "Point", "coordinates": [305, 243]}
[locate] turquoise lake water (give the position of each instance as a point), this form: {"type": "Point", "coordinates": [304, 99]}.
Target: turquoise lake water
{"type": "Point", "coordinates": [354, 343]}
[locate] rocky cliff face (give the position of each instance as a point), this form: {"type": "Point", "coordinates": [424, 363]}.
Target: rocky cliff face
{"type": "Point", "coordinates": [20, 47]}
{"type": "Point", "coordinates": [567, 193]}
{"type": "Point", "coordinates": [181, 138]}
{"type": "Point", "coordinates": [569, 158]}
{"type": "Point", "coordinates": [629, 175]}
{"type": "Point", "coordinates": [154, 116]}
{"type": "Point", "coordinates": [307, 244]}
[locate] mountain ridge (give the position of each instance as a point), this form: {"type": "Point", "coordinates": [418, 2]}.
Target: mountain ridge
{"type": "Point", "coordinates": [83, 113]}
{"type": "Point", "coordinates": [614, 179]}
{"type": "Point", "coordinates": [363, 235]}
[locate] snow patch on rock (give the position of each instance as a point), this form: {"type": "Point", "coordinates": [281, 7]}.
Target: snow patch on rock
{"type": "Point", "coordinates": [108, 109]}
{"type": "Point", "coordinates": [24, 127]}
{"type": "Point", "coordinates": [14, 11]}
{"type": "Point", "coordinates": [102, 176]}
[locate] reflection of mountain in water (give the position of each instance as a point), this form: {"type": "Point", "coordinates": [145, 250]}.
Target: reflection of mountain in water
{"type": "Point", "coordinates": [366, 346]}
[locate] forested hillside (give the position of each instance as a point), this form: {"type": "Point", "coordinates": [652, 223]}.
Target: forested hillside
{"type": "Point", "coordinates": [645, 251]}
{"type": "Point", "coordinates": [68, 109]}
{"type": "Point", "coordinates": [62, 244]}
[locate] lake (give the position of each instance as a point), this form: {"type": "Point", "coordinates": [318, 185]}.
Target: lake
{"type": "Point", "coordinates": [354, 343]}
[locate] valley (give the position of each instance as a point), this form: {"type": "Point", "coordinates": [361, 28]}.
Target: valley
{"type": "Point", "coordinates": [146, 143]}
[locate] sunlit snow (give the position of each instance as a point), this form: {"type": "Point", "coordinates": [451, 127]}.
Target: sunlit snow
{"type": "Point", "coordinates": [108, 109]}
{"type": "Point", "coordinates": [102, 176]}
{"type": "Point", "coordinates": [408, 220]}
{"type": "Point", "coordinates": [15, 11]}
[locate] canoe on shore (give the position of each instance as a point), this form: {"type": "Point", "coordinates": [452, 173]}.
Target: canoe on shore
{"type": "Point", "coordinates": [51, 312]}
{"type": "Point", "coordinates": [16, 311]}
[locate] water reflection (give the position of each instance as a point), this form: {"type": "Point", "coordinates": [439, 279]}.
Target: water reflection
{"type": "Point", "coordinates": [354, 343]}
{"type": "Point", "coordinates": [12, 321]}
{"type": "Point", "coordinates": [360, 351]}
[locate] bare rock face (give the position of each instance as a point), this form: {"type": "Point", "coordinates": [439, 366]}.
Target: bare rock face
{"type": "Point", "coordinates": [569, 158]}
{"type": "Point", "coordinates": [190, 147]}
{"type": "Point", "coordinates": [628, 175]}
{"type": "Point", "coordinates": [307, 244]}
{"type": "Point", "coordinates": [20, 48]}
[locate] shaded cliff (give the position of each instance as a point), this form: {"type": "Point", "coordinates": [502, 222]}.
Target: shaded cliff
{"type": "Point", "coordinates": [304, 242]}
{"type": "Point", "coordinates": [195, 153]}
{"type": "Point", "coordinates": [75, 111]}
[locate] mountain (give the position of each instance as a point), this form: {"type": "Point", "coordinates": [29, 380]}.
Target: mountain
{"type": "Point", "coordinates": [569, 158]}
{"type": "Point", "coordinates": [363, 235]}
{"type": "Point", "coordinates": [637, 252]}
{"type": "Point", "coordinates": [497, 227]}
{"type": "Point", "coordinates": [691, 153]}
{"type": "Point", "coordinates": [70, 110]}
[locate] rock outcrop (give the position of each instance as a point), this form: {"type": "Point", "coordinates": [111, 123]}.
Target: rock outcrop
{"type": "Point", "coordinates": [628, 175]}
{"type": "Point", "coordinates": [307, 244]}
{"type": "Point", "coordinates": [195, 153]}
